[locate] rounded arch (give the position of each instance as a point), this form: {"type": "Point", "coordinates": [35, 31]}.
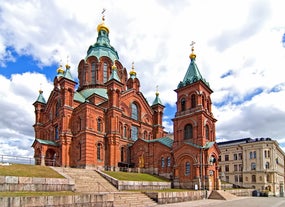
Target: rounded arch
{"type": "Point", "coordinates": [50, 157]}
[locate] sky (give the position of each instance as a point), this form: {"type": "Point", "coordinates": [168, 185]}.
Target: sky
{"type": "Point", "coordinates": [240, 48]}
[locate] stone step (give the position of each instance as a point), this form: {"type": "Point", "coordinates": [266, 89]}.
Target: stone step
{"type": "Point", "coordinates": [221, 195]}
{"type": "Point", "coordinates": [132, 199]}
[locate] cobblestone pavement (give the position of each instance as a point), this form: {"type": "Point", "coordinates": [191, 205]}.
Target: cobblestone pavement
{"type": "Point", "coordinates": [238, 202]}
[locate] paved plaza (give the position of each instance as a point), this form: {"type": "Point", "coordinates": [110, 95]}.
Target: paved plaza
{"type": "Point", "coordinates": [238, 202]}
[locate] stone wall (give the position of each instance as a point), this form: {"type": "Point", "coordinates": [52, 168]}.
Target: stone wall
{"type": "Point", "coordinates": [135, 185]}
{"type": "Point", "coordinates": [13, 183]}
{"type": "Point", "coordinates": [86, 200]}
{"type": "Point", "coordinates": [174, 197]}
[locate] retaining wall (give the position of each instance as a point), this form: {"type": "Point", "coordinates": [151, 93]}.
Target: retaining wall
{"type": "Point", "coordinates": [86, 200]}
{"type": "Point", "coordinates": [13, 183]}
{"type": "Point", "coordinates": [135, 185]}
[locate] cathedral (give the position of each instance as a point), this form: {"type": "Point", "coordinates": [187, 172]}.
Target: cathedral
{"type": "Point", "coordinates": [106, 122]}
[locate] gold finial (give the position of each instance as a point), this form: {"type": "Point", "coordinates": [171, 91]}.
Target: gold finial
{"type": "Point", "coordinates": [102, 26]}
{"type": "Point", "coordinates": [156, 92]}
{"type": "Point", "coordinates": [67, 66]}
{"type": "Point", "coordinates": [114, 67]}
{"type": "Point", "coordinates": [133, 72]}
{"type": "Point", "coordinates": [192, 55]}
{"type": "Point", "coordinates": [59, 69]}
{"type": "Point", "coordinates": [40, 91]}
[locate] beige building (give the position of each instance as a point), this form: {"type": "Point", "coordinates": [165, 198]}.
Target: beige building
{"type": "Point", "coordinates": [255, 163]}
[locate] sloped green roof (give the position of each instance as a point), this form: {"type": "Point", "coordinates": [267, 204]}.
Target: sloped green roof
{"type": "Point", "coordinates": [207, 145]}
{"type": "Point", "coordinates": [192, 75]}
{"type": "Point", "coordinates": [114, 75]}
{"type": "Point", "coordinates": [164, 140]}
{"type": "Point", "coordinates": [47, 142]}
{"type": "Point", "coordinates": [157, 100]}
{"type": "Point", "coordinates": [102, 47]}
{"type": "Point", "coordinates": [68, 75]}
{"type": "Point", "coordinates": [41, 98]}
{"type": "Point", "coordinates": [81, 96]}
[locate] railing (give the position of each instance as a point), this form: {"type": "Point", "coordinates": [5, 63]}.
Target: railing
{"type": "Point", "coordinates": [16, 159]}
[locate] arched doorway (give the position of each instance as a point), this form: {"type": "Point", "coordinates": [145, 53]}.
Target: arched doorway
{"type": "Point", "coordinates": [50, 158]}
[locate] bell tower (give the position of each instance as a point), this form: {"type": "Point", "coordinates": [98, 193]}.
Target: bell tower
{"type": "Point", "coordinates": [194, 122]}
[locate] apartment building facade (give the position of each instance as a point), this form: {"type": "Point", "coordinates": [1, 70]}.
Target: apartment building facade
{"type": "Point", "coordinates": [253, 163]}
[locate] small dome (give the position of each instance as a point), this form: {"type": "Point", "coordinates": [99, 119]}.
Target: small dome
{"type": "Point", "coordinates": [60, 70]}
{"type": "Point", "coordinates": [102, 26]}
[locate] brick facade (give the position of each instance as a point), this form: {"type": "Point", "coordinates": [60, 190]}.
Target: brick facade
{"type": "Point", "coordinates": [106, 122]}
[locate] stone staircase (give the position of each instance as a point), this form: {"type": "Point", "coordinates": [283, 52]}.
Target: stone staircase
{"type": "Point", "coordinates": [87, 180]}
{"type": "Point", "coordinates": [221, 195]}
{"type": "Point", "coordinates": [132, 199]}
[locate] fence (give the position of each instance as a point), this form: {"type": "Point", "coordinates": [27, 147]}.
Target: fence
{"type": "Point", "coordinates": [16, 159]}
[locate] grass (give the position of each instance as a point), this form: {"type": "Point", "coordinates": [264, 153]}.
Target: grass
{"type": "Point", "coordinates": [135, 176]}
{"type": "Point", "coordinates": [21, 170]}
{"type": "Point", "coordinates": [32, 194]}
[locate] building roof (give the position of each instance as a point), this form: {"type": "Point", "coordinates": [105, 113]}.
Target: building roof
{"type": "Point", "coordinates": [114, 74]}
{"type": "Point", "coordinates": [157, 99]}
{"type": "Point", "coordinates": [81, 96]}
{"type": "Point", "coordinates": [242, 141]}
{"type": "Point", "coordinates": [207, 145]}
{"type": "Point", "coordinates": [41, 98]}
{"type": "Point", "coordinates": [102, 47]}
{"type": "Point", "coordinates": [164, 140]}
{"type": "Point", "coordinates": [47, 142]}
{"type": "Point", "coordinates": [192, 74]}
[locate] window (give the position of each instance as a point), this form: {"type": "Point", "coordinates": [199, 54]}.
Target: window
{"type": "Point", "coordinates": [254, 154]}
{"type": "Point", "coordinates": [240, 178]}
{"type": "Point", "coordinates": [134, 111]}
{"type": "Point", "coordinates": [99, 151]}
{"type": "Point", "coordinates": [57, 106]}
{"type": "Point", "coordinates": [187, 168]}
{"type": "Point", "coordinates": [253, 178]}
{"type": "Point", "coordinates": [193, 101]}
{"type": "Point", "coordinates": [220, 158]}
{"type": "Point", "coordinates": [227, 168]}
{"type": "Point", "coordinates": [253, 166]}
{"type": "Point", "coordinates": [235, 157]}
{"type": "Point", "coordinates": [122, 154]}
{"type": "Point", "coordinates": [240, 156]}
{"type": "Point", "coordinates": [56, 134]}
{"type": "Point", "coordinates": [226, 157]}
{"type": "Point", "coordinates": [240, 167]}
{"type": "Point", "coordinates": [267, 165]}
{"type": "Point", "coordinates": [105, 72]}
{"type": "Point", "coordinates": [188, 131]}
{"type": "Point", "coordinates": [168, 162]}
{"type": "Point", "coordinates": [236, 178]}
{"type": "Point", "coordinates": [99, 125]}
{"type": "Point", "coordinates": [134, 133]}
{"type": "Point", "coordinates": [125, 132]}
{"type": "Point", "coordinates": [207, 131]}
{"type": "Point", "coordinates": [93, 73]}
{"type": "Point", "coordinates": [260, 178]}
{"type": "Point", "coordinates": [235, 168]}
{"type": "Point", "coordinates": [162, 162]}
{"type": "Point", "coordinates": [250, 155]}
{"type": "Point", "coordinates": [183, 105]}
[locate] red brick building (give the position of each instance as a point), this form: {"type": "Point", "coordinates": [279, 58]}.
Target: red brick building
{"type": "Point", "coordinates": [106, 121]}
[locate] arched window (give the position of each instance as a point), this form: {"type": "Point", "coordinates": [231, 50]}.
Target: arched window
{"type": "Point", "coordinates": [207, 132]}
{"type": "Point", "coordinates": [203, 101]}
{"type": "Point", "coordinates": [267, 165]}
{"type": "Point", "coordinates": [187, 168]}
{"type": "Point", "coordinates": [125, 132]}
{"type": "Point", "coordinates": [168, 162]}
{"type": "Point", "coordinates": [57, 107]}
{"type": "Point", "coordinates": [134, 133]}
{"type": "Point", "coordinates": [193, 101]}
{"type": "Point", "coordinates": [99, 125]}
{"type": "Point", "coordinates": [134, 111]}
{"type": "Point", "coordinates": [93, 72]}
{"type": "Point", "coordinates": [145, 135]}
{"type": "Point", "coordinates": [122, 154]}
{"type": "Point", "coordinates": [183, 104]}
{"type": "Point", "coordinates": [99, 151]}
{"type": "Point", "coordinates": [188, 131]}
{"type": "Point", "coordinates": [56, 134]}
{"type": "Point", "coordinates": [162, 162]}
{"type": "Point", "coordinates": [105, 72]}
{"type": "Point", "coordinates": [253, 166]}
{"type": "Point", "coordinates": [253, 178]}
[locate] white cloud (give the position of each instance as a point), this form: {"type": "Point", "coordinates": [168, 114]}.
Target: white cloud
{"type": "Point", "coordinates": [243, 37]}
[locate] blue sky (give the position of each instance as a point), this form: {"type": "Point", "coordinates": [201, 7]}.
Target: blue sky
{"type": "Point", "coordinates": [240, 48]}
